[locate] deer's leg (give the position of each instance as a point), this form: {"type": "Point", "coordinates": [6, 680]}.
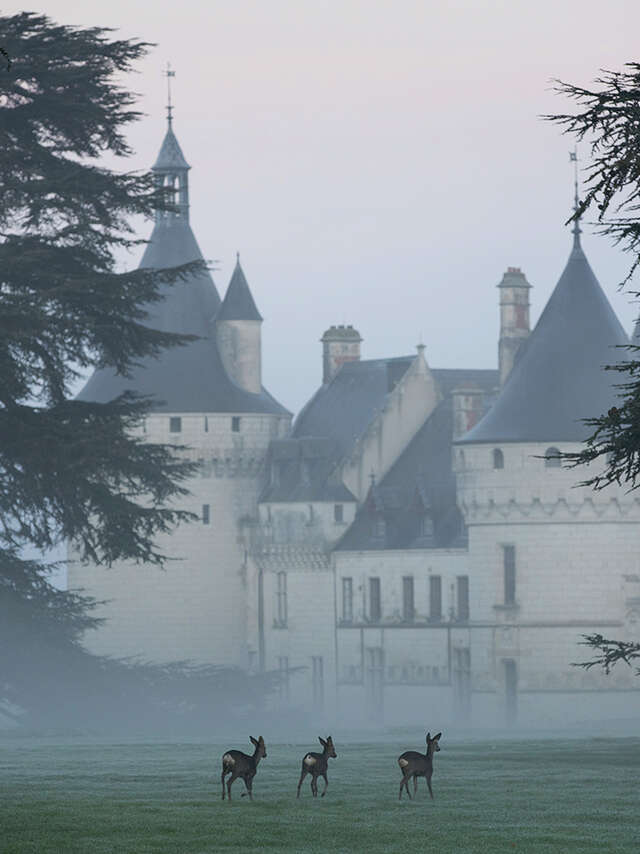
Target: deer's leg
{"type": "Point", "coordinates": [326, 785]}
{"type": "Point", "coordinates": [415, 785]}
{"type": "Point", "coordinates": [403, 783]}
{"type": "Point", "coordinates": [224, 771]}
{"type": "Point", "coordinates": [429, 785]}
{"type": "Point", "coordinates": [248, 782]}
{"type": "Point", "coordinates": [303, 774]}
{"type": "Point", "coordinates": [233, 777]}
{"type": "Point", "coordinates": [314, 785]}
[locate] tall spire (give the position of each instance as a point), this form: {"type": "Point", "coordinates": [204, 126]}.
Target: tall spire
{"type": "Point", "coordinates": [169, 73]}
{"type": "Point", "coordinates": [171, 167]}
{"type": "Point", "coordinates": [577, 231]}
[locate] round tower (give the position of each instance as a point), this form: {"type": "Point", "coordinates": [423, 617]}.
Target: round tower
{"type": "Point", "coordinates": [548, 561]}
{"type": "Point", "coordinates": [239, 325]}
{"type": "Point", "coordinates": [217, 411]}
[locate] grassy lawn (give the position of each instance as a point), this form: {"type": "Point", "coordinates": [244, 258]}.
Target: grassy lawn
{"type": "Point", "coordinates": [526, 796]}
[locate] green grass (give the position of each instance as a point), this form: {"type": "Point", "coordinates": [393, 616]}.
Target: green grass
{"type": "Point", "coordinates": [537, 796]}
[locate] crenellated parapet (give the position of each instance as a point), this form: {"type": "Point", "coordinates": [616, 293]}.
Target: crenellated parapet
{"type": "Point", "coordinates": [489, 511]}
{"type": "Point", "coordinates": [522, 482]}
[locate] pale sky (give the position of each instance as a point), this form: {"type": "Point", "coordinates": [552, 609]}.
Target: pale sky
{"type": "Point", "coordinates": [375, 163]}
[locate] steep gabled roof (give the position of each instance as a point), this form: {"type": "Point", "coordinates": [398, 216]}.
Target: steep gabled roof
{"type": "Point", "coordinates": [238, 303]}
{"type": "Point", "coordinates": [421, 482]}
{"type": "Point", "coordinates": [343, 408]}
{"type": "Point", "coordinates": [558, 377]}
{"type": "Point", "coordinates": [303, 470]}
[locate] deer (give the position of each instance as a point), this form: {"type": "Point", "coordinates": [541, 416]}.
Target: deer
{"type": "Point", "coordinates": [414, 764]}
{"type": "Point", "coordinates": [240, 764]}
{"type": "Point", "coordinates": [316, 765]}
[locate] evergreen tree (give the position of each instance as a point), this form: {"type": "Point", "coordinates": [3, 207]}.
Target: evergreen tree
{"type": "Point", "coordinates": [69, 470]}
{"type": "Point", "coordinates": [608, 119]}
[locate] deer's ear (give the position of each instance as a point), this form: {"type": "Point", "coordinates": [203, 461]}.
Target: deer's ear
{"type": "Point", "coordinates": [253, 741]}
{"type": "Point", "coordinates": [428, 737]}
{"type": "Point", "coordinates": [322, 741]}
{"type": "Point", "coordinates": [437, 737]}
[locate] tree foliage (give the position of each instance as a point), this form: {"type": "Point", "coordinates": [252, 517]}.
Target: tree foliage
{"type": "Point", "coordinates": [607, 119]}
{"type": "Point", "coordinates": [610, 652]}
{"type": "Point", "coordinates": [71, 470]}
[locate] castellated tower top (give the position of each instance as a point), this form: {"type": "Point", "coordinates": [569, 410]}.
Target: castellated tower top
{"type": "Point", "coordinates": [340, 344]}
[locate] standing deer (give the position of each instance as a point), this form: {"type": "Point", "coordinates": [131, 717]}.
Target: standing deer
{"type": "Point", "coordinates": [240, 764]}
{"type": "Point", "coordinates": [414, 764]}
{"type": "Point", "coordinates": [316, 765]}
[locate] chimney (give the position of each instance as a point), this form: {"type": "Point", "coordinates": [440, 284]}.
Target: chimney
{"type": "Point", "coordinates": [468, 409]}
{"type": "Point", "coordinates": [514, 318]}
{"type": "Point", "coordinates": [340, 344]}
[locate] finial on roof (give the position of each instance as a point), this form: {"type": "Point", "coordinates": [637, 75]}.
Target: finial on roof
{"type": "Point", "coordinates": [237, 257]}
{"type": "Point", "coordinates": [169, 73]}
{"type": "Point", "coordinates": [573, 158]}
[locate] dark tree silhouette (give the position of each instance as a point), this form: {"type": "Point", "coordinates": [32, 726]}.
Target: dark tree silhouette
{"type": "Point", "coordinates": [69, 470]}
{"type": "Point", "coordinates": [608, 120]}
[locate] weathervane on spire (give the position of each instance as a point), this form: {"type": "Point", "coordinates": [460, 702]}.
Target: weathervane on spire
{"type": "Point", "coordinates": [573, 158]}
{"type": "Point", "coordinates": [169, 73]}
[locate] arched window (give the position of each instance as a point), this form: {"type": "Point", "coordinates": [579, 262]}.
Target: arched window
{"type": "Point", "coordinates": [552, 458]}
{"type": "Point", "coordinates": [498, 459]}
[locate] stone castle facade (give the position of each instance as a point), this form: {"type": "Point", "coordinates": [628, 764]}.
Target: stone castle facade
{"type": "Point", "coordinates": [410, 545]}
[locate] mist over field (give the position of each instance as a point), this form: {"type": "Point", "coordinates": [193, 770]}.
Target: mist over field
{"type": "Point", "coordinates": [319, 522]}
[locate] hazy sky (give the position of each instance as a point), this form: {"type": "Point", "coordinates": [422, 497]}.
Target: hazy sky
{"type": "Point", "coordinates": [375, 163]}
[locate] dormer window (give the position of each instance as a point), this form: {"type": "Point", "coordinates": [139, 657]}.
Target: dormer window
{"type": "Point", "coordinates": [379, 527]}
{"type": "Point", "coordinates": [426, 526]}
{"type": "Point", "coordinates": [498, 459]}
{"type": "Point", "coordinates": [552, 458]}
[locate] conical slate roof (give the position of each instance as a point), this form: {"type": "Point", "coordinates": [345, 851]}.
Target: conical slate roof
{"type": "Point", "coordinates": [558, 377]}
{"type": "Point", "coordinates": [190, 378]}
{"type": "Point", "coordinates": [238, 303]}
{"type": "Point", "coordinates": [170, 155]}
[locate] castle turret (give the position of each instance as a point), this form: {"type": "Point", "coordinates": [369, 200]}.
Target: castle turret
{"type": "Point", "coordinates": [340, 344]}
{"type": "Point", "coordinates": [238, 325]}
{"type": "Point", "coordinates": [171, 173]}
{"type": "Point", "coordinates": [514, 318]}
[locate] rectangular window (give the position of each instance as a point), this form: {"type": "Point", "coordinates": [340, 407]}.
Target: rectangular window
{"type": "Point", "coordinates": [509, 563]}
{"type": "Point", "coordinates": [435, 598]}
{"type": "Point", "coordinates": [408, 610]}
{"type": "Point", "coordinates": [206, 424]}
{"type": "Point", "coordinates": [347, 600]}
{"type": "Point", "coordinates": [463, 598]}
{"type": "Point", "coordinates": [375, 604]}
{"type": "Point", "coordinates": [175, 424]}
{"type": "Point", "coordinates": [338, 513]}
{"type": "Point", "coordinates": [283, 673]}
{"type": "Point", "coordinates": [235, 423]}
{"type": "Point", "coordinates": [206, 515]}
{"type": "Point", "coordinates": [281, 598]}
{"type": "Point", "coordinates": [317, 679]}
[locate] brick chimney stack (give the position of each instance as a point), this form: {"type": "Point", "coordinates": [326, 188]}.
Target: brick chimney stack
{"type": "Point", "coordinates": [514, 318]}
{"type": "Point", "coordinates": [340, 344]}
